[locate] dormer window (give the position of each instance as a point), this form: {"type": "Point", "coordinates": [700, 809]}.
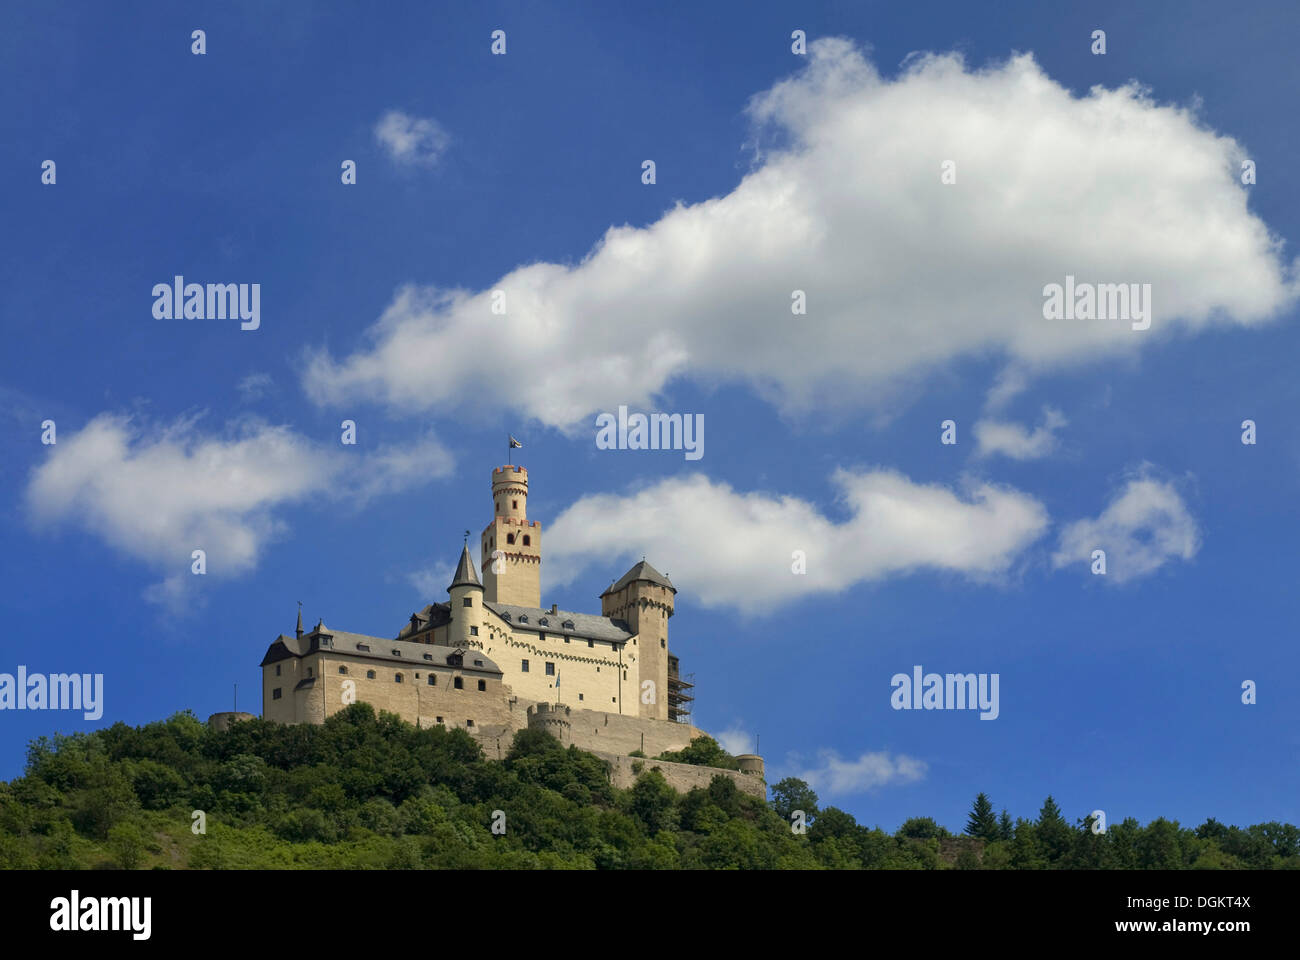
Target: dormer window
{"type": "Point", "coordinates": [397, 653]}
{"type": "Point", "coordinates": [523, 618]}
{"type": "Point", "coordinates": [544, 622]}
{"type": "Point", "coordinates": [568, 624]}
{"type": "Point", "coordinates": [364, 646]}
{"type": "Point", "coordinates": [505, 616]}
{"type": "Point", "coordinates": [428, 656]}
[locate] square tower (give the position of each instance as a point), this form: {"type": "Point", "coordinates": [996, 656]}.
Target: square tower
{"type": "Point", "coordinates": [511, 543]}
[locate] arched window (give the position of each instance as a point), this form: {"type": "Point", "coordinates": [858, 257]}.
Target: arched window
{"type": "Point", "coordinates": [397, 678]}
{"type": "Point", "coordinates": [527, 540]}
{"type": "Point", "coordinates": [510, 538]}
{"type": "Point", "coordinates": [433, 681]}
{"type": "Point", "coordinates": [343, 669]}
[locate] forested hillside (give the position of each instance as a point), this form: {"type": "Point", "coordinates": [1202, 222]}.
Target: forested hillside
{"type": "Point", "coordinates": [372, 792]}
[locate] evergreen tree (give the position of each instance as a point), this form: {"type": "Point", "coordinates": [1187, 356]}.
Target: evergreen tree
{"type": "Point", "coordinates": [1005, 828]}
{"type": "Point", "coordinates": [982, 824]}
{"type": "Point", "coordinates": [1054, 834]}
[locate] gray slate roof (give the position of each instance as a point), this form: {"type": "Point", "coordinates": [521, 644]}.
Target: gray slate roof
{"type": "Point", "coordinates": [465, 572]}
{"type": "Point", "coordinates": [641, 571]}
{"type": "Point", "coordinates": [381, 648]}
{"type": "Point", "coordinates": [586, 626]}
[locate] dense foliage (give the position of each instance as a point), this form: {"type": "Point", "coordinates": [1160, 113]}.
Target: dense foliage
{"type": "Point", "coordinates": [367, 791]}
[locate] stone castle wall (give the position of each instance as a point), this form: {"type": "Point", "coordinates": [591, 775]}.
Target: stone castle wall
{"type": "Point", "coordinates": [680, 776]}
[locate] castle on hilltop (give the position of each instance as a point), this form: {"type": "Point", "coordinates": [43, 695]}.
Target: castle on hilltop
{"type": "Point", "coordinates": [492, 660]}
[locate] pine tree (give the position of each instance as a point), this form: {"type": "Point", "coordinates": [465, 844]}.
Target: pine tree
{"type": "Point", "coordinates": [1005, 828]}
{"type": "Point", "coordinates": [982, 823]}
{"type": "Point", "coordinates": [1054, 833]}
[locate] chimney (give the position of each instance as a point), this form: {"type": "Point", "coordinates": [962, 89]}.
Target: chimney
{"type": "Point", "coordinates": [555, 608]}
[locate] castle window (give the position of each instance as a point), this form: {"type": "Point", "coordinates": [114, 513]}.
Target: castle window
{"type": "Point", "coordinates": [277, 669]}
{"type": "Point", "coordinates": [544, 622]}
{"type": "Point", "coordinates": [469, 723]}
{"type": "Point", "coordinates": [397, 678]}
{"type": "Point", "coordinates": [343, 669]}
{"type": "Point", "coordinates": [364, 646]}
{"type": "Point", "coordinates": [527, 540]}
{"type": "Point", "coordinates": [397, 653]}
{"type": "Point", "coordinates": [663, 642]}
{"type": "Point", "coordinates": [439, 719]}
{"type": "Point", "coordinates": [370, 674]}
{"type": "Point", "coordinates": [514, 504]}
{"type": "Point", "coordinates": [550, 669]}
{"type": "Point", "coordinates": [624, 674]}
{"type": "Point", "coordinates": [579, 696]}
{"type": "Point", "coordinates": [510, 538]}
{"type": "Point", "coordinates": [541, 637]}
{"type": "Point", "coordinates": [523, 618]}
{"type": "Point", "coordinates": [505, 617]}
{"type": "Point", "coordinates": [428, 656]}
{"type": "Point", "coordinates": [467, 602]}
{"type": "Point", "coordinates": [566, 639]}
{"type": "Point", "coordinates": [523, 666]}
{"type": "Point", "coordinates": [458, 683]}
{"type": "Point", "coordinates": [275, 694]}
{"type": "Point", "coordinates": [309, 671]}
{"type": "Point", "coordinates": [591, 643]}
{"type": "Point", "coordinates": [478, 663]}
{"type": "Point", "coordinates": [482, 684]}
{"type": "Point", "coordinates": [473, 631]}
{"type": "Point", "coordinates": [433, 682]}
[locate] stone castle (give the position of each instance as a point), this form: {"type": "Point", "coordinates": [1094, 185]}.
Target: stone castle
{"type": "Point", "coordinates": [492, 660]}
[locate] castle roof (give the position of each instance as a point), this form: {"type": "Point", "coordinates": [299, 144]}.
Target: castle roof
{"type": "Point", "coordinates": [641, 571]}
{"type": "Point", "coordinates": [339, 643]}
{"type": "Point", "coordinates": [466, 575]}
{"type": "Point", "coordinates": [584, 626]}
{"type": "Point", "coordinates": [433, 615]}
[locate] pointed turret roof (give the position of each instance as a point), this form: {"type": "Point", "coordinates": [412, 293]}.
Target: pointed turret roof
{"type": "Point", "coordinates": [466, 575]}
{"type": "Point", "coordinates": [641, 571]}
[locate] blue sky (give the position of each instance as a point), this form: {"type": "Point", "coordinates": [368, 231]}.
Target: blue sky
{"type": "Point", "coordinates": [774, 172]}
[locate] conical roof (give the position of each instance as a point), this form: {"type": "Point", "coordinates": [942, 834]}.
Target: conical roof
{"type": "Point", "coordinates": [641, 571]}
{"type": "Point", "coordinates": [466, 575]}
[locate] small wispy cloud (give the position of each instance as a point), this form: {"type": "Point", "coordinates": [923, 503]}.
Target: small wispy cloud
{"type": "Point", "coordinates": [1015, 441]}
{"type": "Point", "coordinates": [1144, 526]}
{"type": "Point", "coordinates": [411, 141]}
{"type": "Point", "coordinates": [835, 775]}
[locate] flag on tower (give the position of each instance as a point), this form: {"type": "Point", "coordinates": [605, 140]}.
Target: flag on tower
{"type": "Point", "coordinates": [513, 442]}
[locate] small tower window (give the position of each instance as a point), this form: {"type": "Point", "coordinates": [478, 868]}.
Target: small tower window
{"type": "Point", "coordinates": [527, 540]}
{"type": "Point", "coordinates": [482, 684]}
{"type": "Point", "coordinates": [370, 674]}
{"type": "Point", "coordinates": [397, 678]}
{"type": "Point", "coordinates": [514, 504]}
{"type": "Point", "coordinates": [523, 666]}
{"type": "Point", "coordinates": [433, 682]}
{"type": "Point", "coordinates": [343, 669]}
{"type": "Point", "coordinates": [473, 631]}
{"type": "Point", "coordinates": [277, 669]}
{"type": "Point", "coordinates": [458, 683]}
{"type": "Point", "coordinates": [467, 602]}
{"type": "Point", "coordinates": [275, 694]}
{"type": "Point", "coordinates": [510, 538]}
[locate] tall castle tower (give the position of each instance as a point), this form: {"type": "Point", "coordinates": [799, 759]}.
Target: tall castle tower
{"type": "Point", "coordinates": [512, 545]}
{"type": "Point", "coordinates": [643, 598]}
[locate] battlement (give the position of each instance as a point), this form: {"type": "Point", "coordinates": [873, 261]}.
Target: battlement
{"type": "Point", "coordinates": [510, 468]}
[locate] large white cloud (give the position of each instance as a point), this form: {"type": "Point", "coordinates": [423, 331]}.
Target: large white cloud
{"type": "Point", "coordinates": [1145, 525]}
{"type": "Point", "coordinates": [902, 272]}
{"type": "Point", "coordinates": [159, 493]}
{"type": "Point", "coordinates": [735, 549]}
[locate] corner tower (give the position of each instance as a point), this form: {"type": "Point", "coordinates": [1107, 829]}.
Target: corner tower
{"type": "Point", "coordinates": [466, 604]}
{"type": "Point", "coordinates": [511, 544]}
{"type": "Point", "coordinates": [643, 598]}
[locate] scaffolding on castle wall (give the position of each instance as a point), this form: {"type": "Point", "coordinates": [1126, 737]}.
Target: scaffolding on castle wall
{"type": "Point", "coordinates": [679, 701]}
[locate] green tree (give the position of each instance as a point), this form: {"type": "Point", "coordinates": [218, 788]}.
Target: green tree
{"type": "Point", "coordinates": [127, 843]}
{"type": "Point", "coordinates": [793, 794]}
{"type": "Point", "coordinates": [982, 823]}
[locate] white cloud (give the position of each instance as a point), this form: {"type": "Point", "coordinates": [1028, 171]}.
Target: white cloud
{"type": "Point", "coordinates": [735, 740]}
{"type": "Point", "coordinates": [432, 582]}
{"type": "Point", "coordinates": [835, 775]}
{"type": "Point", "coordinates": [156, 495]}
{"type": "Point", "coordinates": [408, 140]}
{"type": "Point", "coordinates": [903, 274]}
{"type": "Point", "coordinates": [254, 387]}
{"type": "Point", "coordinates": [1144, 526]}
{"type": "Point", "coordinates": [736, 549]}
{"type": "Point", "coordinates": [1015, 441]}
